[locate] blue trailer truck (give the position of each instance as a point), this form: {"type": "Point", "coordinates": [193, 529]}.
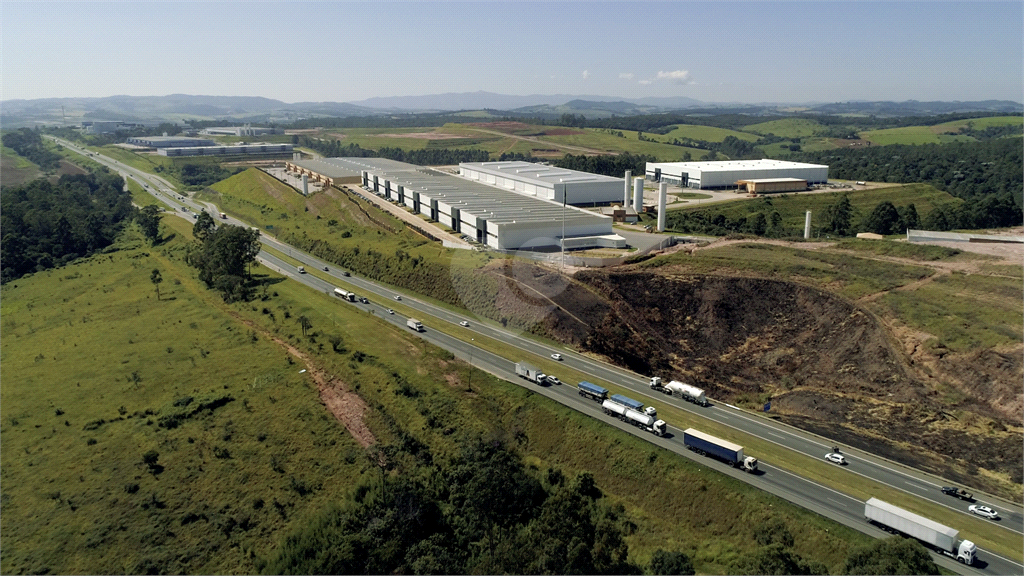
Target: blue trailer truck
{"type": "Point", "coordinates": [722, 449]}
{"type": "Point", "coordinates": [592, 391]}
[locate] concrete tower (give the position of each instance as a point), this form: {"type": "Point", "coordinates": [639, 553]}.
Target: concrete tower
{"type": "Point", "coordinates": [305, 184]}
{"type": "Point", "coordinates": [638, 195]}
{"type": "Point", "coordinates": [807, 224]}
{"type": "Point", "coordinates": [625, 196]}
{"type": "Point", "coordinates": [662, 200]}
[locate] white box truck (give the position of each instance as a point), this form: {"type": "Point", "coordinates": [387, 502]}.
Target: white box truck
{"type": "Point", "coordinates": [532, 374]}
{"type": "Point", "coordinates": [414, 324]}
{"type": "Point", "coordinates": [931, 533]}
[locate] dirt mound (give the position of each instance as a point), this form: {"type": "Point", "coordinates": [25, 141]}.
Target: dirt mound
{"type": "Point", "coordinates": [733, 335]}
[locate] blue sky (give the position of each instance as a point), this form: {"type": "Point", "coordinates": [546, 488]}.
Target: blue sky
{"type": "Point", "coordinates": [331, 51]}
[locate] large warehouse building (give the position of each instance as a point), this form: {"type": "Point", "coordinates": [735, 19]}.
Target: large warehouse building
{"type": "Point", "coordinates": [547, 182]}
{"type": "Point", "coordinates": [499, 218]}
{"type": "Point", "coordinates": [170, 141]}
{"type": "Point", "coordinates": [725, 174]}
{"type": "Point", "coordinates": [246, 149]}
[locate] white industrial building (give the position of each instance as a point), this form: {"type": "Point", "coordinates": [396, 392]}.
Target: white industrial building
{"type": "Point", "coordinates": [499, 218]}
{"type": "Point", "coordinates": [725, 174]}
{"type": "Point", "coordinates": [245, 130]}
{"type": "Point", "coordinates": [246, 149]}
{"type": "Point", "coordinates": [169, 141]}
{"type": "Point", "coordinates": [546, 182]}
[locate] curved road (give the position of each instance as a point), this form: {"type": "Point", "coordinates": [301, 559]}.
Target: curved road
{"type": "Point", "coordinates": [803, 492]}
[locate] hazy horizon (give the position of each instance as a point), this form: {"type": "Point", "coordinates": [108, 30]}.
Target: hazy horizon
{"type": "Point", "coordinates": [348, 52]}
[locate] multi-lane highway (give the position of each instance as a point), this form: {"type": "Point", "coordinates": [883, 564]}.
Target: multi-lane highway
{"type": "Point", "coordinates": [794, 488]}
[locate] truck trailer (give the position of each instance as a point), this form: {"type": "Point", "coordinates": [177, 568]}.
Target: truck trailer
{"type": "Point", "coordinates": [414, 324]}
{"type": "Point", "coordinates": [634, 417]}
{"type": "Point", "coordinates": [680, 390]}
{"type": "Point", "coordinates": [931, 533]}
{"type": "Point", "coordinates": [345, 294]}
{"type": "Point", "coordinates": [592, 391]}
{"type": "Point", "coordinates": [707, 444]}
{"type": "Point", "coordinates": [532, 374]}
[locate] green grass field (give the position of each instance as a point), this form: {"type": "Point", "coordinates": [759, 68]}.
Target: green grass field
{"type": "Point", "coordinates": [705, 133]}
{"type": "Point", "coordinates": [911, 135]}
{"type": "Point", "coordinates": [16, 169]}
{"type": "Point", "coordinates": [786, 128]}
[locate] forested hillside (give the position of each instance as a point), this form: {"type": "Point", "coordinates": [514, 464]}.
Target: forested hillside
{"type": "Point", "coordinates": [46, 225]}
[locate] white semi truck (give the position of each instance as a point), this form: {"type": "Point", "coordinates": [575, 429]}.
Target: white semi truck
{"type": "Point", "coordinates": [680, 390]}
{"type": "Point", "coordinates": [532, 374]}
{"type": "Point", "coordinates": [935, 535]}
{"type": "Point", "coordinates": [345, 294]}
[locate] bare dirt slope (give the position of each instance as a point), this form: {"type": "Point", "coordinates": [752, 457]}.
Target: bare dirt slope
{"type": "Point", "coordinates": [828, 365]}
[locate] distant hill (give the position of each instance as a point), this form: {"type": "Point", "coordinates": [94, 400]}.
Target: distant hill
{"type": "Point", "coordinates": [180, 107]}
{"type": "Point", "coordinates": [915, 108]}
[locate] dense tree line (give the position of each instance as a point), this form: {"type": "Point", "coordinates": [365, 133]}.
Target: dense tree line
{"type": "Point", "coordinates": [607, 165]}
{"type": "Point", "coordinates": [482, 512]}
{"type": "Point", "coordinates": [199, 175]}
{"type": "Point", "coordinates": [29, 144]}
{"type": "Point", "coordinates": [424, 157]}
{"type": "Point", "coordinates": [46, 225]}
{"type": "Point", "coordinates": [964, 169]}
{"type": "Point", "coordinates": [223, 255]}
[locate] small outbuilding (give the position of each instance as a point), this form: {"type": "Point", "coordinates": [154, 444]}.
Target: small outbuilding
{"type": "Point", "coordinates": [771, 185]}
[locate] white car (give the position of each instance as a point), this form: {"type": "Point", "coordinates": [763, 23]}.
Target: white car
{"type": "Point", "coordinates": [837, 458]}
{"type": "Point", "coordinates": [554, 380]}
{"type": "Point", "coordinates": [556, 357]}
{"type": "Point", "coordinates": [464, 324]}
{"type": "Point", "coordinates": [390, 311]}
{"type": "Point", "coordinates": [397, 297]}
{"type": "Point", "coordinates": [984, 511]}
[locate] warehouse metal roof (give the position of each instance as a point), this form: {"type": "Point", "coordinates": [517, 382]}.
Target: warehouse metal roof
{"type": "Point", "coordinates": [537, 174]}
{"type": "Point", "coordinates": [733, 165]}
{"type": "Point", "coordinates": [497, 206]}
{"type": "Point", "coordinates": [329, 168]}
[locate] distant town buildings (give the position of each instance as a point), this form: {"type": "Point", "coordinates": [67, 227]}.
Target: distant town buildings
{"type": "Point", "coordinates": [106, 126]}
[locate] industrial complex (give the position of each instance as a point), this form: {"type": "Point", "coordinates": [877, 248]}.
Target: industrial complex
{"type": "Point", "coordinates": [547, 182]}
{"type": "Point", "coordinates": [728, 174]}
{"type": "Point", "coordinates": [498, 217]}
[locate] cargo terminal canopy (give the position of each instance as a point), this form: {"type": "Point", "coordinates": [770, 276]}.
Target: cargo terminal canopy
{"type": "Point", "coordinates": [546, 182]}
{"type": "Point", "coordinates": [493, 216]}
{"type": "Point", "coordinates": [705, 175]}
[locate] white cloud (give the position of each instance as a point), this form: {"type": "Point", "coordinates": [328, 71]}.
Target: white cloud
{"type": "Point", "coordinates": [626, 75]}
{"type": "Point", "coordinates": [646, 82]}
{"type": "Point", "coordinates": [677, 75]}
{"type": "Point", "coordinates": [586, 74]}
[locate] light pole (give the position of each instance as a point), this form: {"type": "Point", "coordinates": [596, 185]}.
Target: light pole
{"type": "Point", "coordinates": [562, 242]}
{"type": "Point", "coordinates": [469, 380]}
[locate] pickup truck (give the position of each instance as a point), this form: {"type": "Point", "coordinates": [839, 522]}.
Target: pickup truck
{"type": "Point", "coordinates": [958, 492]}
